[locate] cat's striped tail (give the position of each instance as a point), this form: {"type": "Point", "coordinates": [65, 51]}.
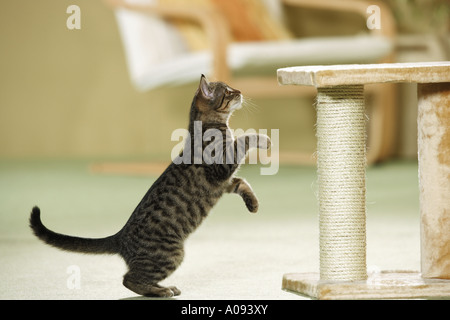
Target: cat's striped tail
{"type": "Point", "coordinates": [106, 245]}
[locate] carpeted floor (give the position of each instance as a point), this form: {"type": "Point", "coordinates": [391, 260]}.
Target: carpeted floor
{"type": "Point", "coordinates": [233, 255]}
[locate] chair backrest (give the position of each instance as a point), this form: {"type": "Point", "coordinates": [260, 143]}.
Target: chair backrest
{"type": "Point", "coordinates": [248, 20]}
{"type": "Point", "coordinates": [151, 41]}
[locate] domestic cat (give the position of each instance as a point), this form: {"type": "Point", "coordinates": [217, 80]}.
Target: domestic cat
{"type": "Point", "coordinates": [152, 240]}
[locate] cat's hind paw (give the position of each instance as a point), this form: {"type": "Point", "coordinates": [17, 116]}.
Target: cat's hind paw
{"type": "Point", "coordinates": [175, 290]}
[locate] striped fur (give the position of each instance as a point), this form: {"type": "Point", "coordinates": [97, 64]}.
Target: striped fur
{"type": "Point", "coordinates": [152, 240]}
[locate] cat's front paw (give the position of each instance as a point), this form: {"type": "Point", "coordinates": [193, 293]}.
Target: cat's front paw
{"type": "Point", "coordinates": [264, 141]}
{"type": "Point", "coordinates": [251, 203]}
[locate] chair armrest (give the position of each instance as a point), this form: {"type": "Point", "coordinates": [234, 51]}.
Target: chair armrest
{"type": "Point", "coordinates": [388, 26]}
{"type": "Point", "coordinates": [211, 21]}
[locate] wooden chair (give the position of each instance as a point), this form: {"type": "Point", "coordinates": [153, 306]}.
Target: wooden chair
{"type": "Point", "coordinates": [227, 61]}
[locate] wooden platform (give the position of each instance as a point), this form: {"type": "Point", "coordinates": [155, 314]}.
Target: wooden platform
{"type": "Point", "coordinates": [337, 75]}
{"type": "Point", "coordinates": [383, 285]}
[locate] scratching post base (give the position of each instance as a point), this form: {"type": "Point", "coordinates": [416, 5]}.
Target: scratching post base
{"type": "Point", "coordinates": [383, 285]}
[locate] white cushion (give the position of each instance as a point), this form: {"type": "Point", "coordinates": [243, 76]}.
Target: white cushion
{"type": "Point", "coordinates": [147, 40]}
{"type": "Point", "coordinates": [335, 50]}
{"type": "Point", "coordinates": [275, 54]}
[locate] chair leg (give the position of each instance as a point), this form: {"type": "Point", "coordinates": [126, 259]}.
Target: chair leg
{"type": "Point", "coordinates": [382, 137]}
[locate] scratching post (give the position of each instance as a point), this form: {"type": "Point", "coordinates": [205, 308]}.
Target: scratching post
{"type": "Point", "coordinates": [341, 175]}
{"type": "Point", "coordinates": [341, 178]}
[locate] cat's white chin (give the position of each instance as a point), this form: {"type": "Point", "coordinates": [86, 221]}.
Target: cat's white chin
{"type": "Point", "coordinates": [237, 105]}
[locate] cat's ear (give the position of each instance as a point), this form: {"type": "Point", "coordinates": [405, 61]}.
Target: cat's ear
{"type": "Point", "coordinates": [205, 88]}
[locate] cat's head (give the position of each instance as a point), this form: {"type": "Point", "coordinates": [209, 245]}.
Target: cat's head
{"type": "Point", "coordinates": [217, 100]}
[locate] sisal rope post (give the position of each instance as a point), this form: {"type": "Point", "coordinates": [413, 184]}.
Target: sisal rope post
{"type": "Point", "coordinates": [341, 160]}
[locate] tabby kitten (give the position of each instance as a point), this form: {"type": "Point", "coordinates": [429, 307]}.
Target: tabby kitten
{"type": "Point", "coordinates": [151, 242]}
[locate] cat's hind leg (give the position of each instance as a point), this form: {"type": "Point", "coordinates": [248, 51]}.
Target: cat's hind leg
{"type": "Point", "coordinates": [242, 188]}
{"type": "Point", "coordinates": [146, 271]}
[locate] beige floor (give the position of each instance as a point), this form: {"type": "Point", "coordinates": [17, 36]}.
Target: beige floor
{"type": "Point", "coordinates": [233, 255]}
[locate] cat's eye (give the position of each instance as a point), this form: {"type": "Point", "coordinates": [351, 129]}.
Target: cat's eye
{"type": "Point", "coordinates": [230, 91]}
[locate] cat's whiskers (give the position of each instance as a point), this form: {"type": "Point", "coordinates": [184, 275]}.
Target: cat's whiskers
{"type": "Point", "coordinates": [249, 106]}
